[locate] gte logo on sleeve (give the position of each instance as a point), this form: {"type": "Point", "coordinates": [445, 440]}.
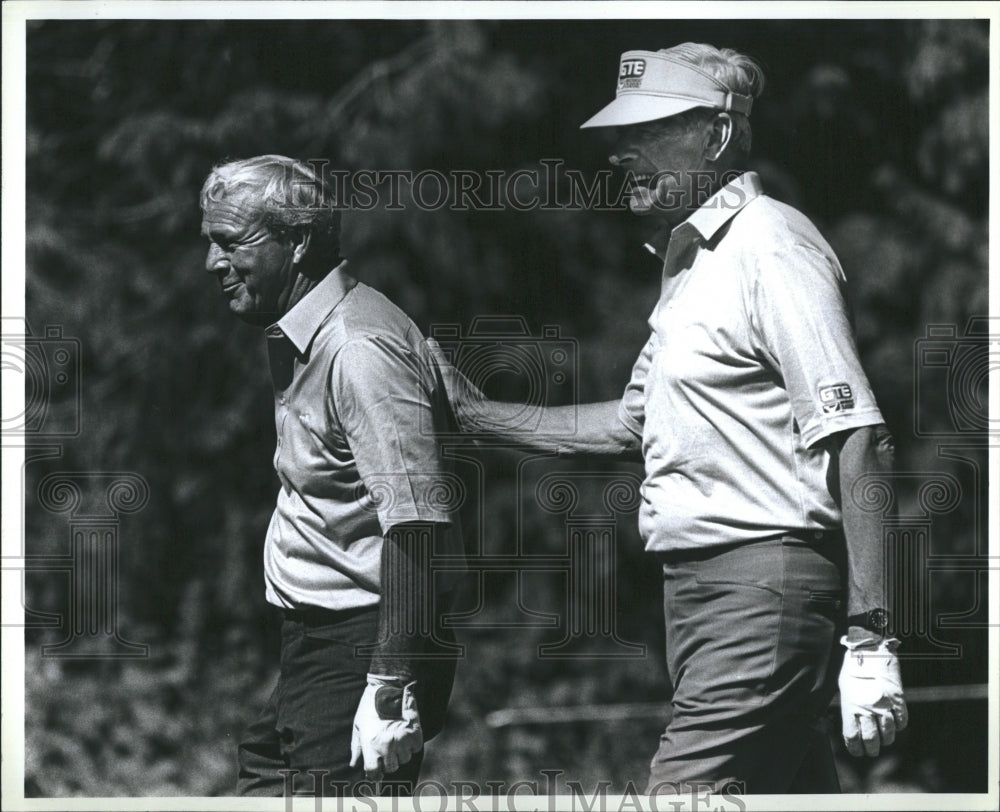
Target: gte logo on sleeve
{"type": "Point", "coordinates": [631, 72]}
{"type": "Point", "coordinates": [836, 398]}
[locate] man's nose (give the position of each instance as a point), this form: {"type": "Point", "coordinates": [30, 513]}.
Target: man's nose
{"type": "Point", "coordinates": [621, 153]}
{"type": "Point", "coordinates": [213, 261]}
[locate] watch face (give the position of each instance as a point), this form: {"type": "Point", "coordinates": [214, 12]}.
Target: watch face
{"type": "Point", "coordinates": [878, 619]}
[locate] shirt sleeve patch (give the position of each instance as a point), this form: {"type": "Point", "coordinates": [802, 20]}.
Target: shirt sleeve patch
{"type": "Point", "coordinates": [836, 398]}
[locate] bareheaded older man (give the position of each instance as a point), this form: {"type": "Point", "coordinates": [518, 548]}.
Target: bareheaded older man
{"type": "Point", "coordinates": [755, 420]}
{"type": "Point", "coordinates": [365, 671]}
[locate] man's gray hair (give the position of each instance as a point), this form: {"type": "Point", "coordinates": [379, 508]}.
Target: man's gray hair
{"type": "Point", "coordinates": [291, 195]}
{"type": "Point", "coordinates": [738, 72]}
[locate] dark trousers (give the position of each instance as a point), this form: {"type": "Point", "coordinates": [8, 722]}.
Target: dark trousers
{"type": "Point", "coordinates": [301, 742]}
{"type": "Point", "coordinates": [753, 656]}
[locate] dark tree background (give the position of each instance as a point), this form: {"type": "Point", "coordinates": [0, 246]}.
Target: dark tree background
{"type": "Point", "coordinates": [877, 130]}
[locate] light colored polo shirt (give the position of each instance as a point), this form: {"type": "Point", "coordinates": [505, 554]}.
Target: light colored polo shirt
{"type": "Point", "coordinates": [750, 364]}
{"type": "Point", "coordinates": [356, 405]}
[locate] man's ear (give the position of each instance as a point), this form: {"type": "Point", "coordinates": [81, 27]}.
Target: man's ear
{"type": "Point", "coordinates": [300, 244]}
{"type": "Point", "coordinates": [719, 136]}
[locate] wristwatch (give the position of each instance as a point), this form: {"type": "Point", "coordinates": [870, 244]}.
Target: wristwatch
{"type": "Point", "coordinates": [875, 620]}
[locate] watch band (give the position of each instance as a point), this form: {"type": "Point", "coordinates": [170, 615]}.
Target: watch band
{"type": "Point", "coordinates": [875, 620]}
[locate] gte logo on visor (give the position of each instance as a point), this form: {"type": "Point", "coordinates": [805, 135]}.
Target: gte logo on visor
{"type": "Point", "coordinates": [631, 72]}
{"type": "Point", "coordinates": [836, 398]}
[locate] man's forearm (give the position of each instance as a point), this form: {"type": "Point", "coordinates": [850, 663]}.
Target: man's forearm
{"type": "Point", "coordinates": [589, 428]}
{"type": "Point", "coordinates": [865, 451]}
{"type": "Point", "coordinates": [406, 611]}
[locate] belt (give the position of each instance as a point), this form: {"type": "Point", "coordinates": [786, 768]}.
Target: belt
{"type": "Point", "coordinates": [814, 538]}
{"type": "Point", "coordinates": [321, 616]}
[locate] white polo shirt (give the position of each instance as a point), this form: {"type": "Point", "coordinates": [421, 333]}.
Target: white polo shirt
{"type": "Point", "coordinates": [750, 365]}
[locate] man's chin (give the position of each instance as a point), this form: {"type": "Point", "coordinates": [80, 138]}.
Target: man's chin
{"type": "Point", "coordinates": [661, 203]}
{"type": "Point", "coordinates": [249, 315]}
{"type": "Point", "coordinates": [646, 203]}
{"type": "Point", "coordinates": [641, 201]}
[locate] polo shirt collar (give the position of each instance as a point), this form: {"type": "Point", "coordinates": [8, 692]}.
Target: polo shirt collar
{"type": "Point", "coordinates": [301, 322]}
{"type": "Point", "coordinates": [714, 213]}
{"type": "Point", "coordinates": [721, 207]}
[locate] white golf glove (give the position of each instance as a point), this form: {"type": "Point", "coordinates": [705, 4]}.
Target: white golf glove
{"type": "Point", "coordinates": [872, 707]}
{"type": "Point", "coordinates": [386, 726]}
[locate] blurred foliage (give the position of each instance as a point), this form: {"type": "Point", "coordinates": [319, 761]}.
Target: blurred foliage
{"type": "Point", "coordinates": [877, 130]}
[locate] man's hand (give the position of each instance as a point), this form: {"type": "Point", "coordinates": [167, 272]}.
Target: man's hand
{"type": "Point", "coordinates": [386, 726]}
{"type": "Point", "coordinates": [585, 428]}
{"type": "Point", "coordinates": [871, 696]}
{"type": "Point", "coordinates": [465, 398]}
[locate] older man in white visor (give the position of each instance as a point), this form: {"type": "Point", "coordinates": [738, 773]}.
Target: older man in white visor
{"type": "Point", "coordinates": [755, 421]}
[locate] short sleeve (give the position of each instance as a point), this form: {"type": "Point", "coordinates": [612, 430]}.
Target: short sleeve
{"type": "Point", "coordinates": [801, 324]}
{"type": "Point", "coordinates": [383, 400]}
{"type": "Point", "coordinates": [632, 409]}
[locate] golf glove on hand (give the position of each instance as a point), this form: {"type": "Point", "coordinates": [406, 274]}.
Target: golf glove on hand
{"type": "Point", "coordinates": [872, 707]}
{"type": "Point", "coordinates": [386, 726]}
